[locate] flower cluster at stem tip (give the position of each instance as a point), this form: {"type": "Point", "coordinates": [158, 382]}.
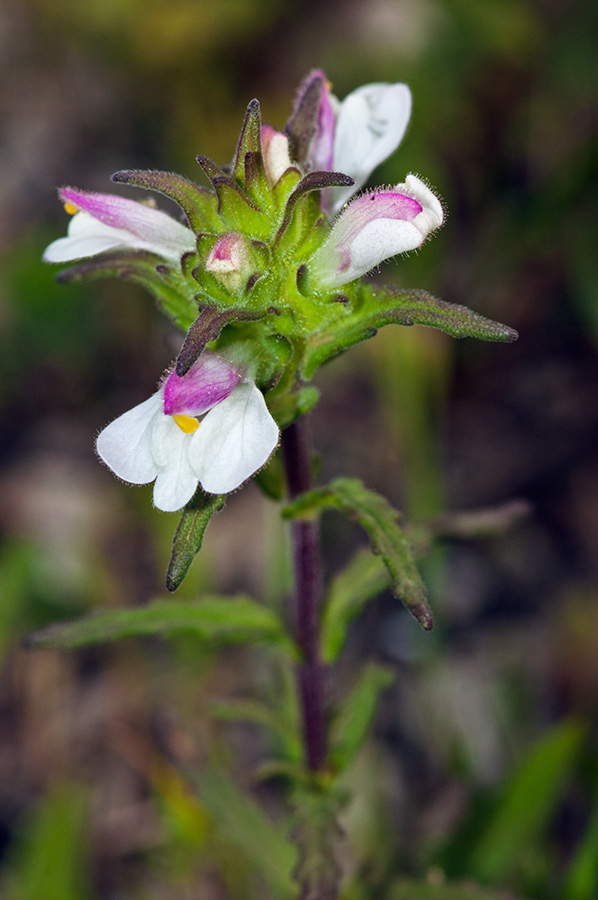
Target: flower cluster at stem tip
{"type": "Point", "coordinates": [254, 278]}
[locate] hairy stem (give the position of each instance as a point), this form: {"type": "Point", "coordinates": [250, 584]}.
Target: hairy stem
{"type": "Point", "coordinates": [296, 447]}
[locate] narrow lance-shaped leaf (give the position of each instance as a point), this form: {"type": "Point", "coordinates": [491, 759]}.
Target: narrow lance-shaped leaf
{"type": "Point", "coordinates": [243, 824]}
{"type": "Point", "coordinates": [351, 726]}
{"type": "Point", "coordinates": [189, 535]}
{"type": "Point", "coordinates": [349, 591]}
{"type": "Point", "coordinates": [390, 306]}
{"type": "Point", "coordinates": [222, 619]}
{"type": "Point", "coordinates": [379, 519]}
{"type": "Point", "coordinates": [528, 803]}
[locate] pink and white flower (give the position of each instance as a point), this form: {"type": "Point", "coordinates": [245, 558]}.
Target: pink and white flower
{"type": "Point", "coordinates": [373, 228]}
{"type": "Point", "coordinates": [356, 135]}
{"type": "Point", "coordinates": [103, 222]}
{"type": "Point", "coordinates": [210, 427]}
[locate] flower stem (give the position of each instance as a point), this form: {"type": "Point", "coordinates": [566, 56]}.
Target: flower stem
{"type": "Point", "coordinates": [296, 448]}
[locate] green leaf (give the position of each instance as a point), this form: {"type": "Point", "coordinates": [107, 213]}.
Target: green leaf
{"type": "Point", "coordinates": [581, 882]}
{"type": "Point", "coordinates": [377, 307]}
{"type": "Point", "coordinates": [50, 858]}
{"type": "Point", "coordinates": [351, 726]}
{"type": "Point", "coordinates": [258, 713]}
{"type": "Point", "coordinates": [528, 802]}
{"type": "Point", "coordinates": [226, 620]}
{"type": "Point", "coordinates": [364, 578]}
{"type": "Point", "coordinates": [379, 519]}
{"type": "Point", "coordinates": [189, 535]}
{"type": "Point", "coordinates": [247, 828]}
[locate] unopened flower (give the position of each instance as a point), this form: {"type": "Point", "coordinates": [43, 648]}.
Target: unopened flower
{"type": "Point", "coordinates": [373, 228]}
{"type": "Point", "coordinates": [356, 135]}
{"type": "Point", "coordinates": [229, 260]}
{"type": "Point", "coordinates": [208, 427]}
{"type": "Point", "coordinates": [103, 222]}
{"type": "Point", "coordinates": [275, 149]}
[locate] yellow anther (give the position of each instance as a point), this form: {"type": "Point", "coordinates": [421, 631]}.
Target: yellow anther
{"type": "Point", "coordinates": [70, 207]}
{"type": "Point", "coordinates": [186, 423]}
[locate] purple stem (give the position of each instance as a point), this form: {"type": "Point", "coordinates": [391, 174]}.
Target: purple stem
{"type": "Point", "coordinates": [296, 448]}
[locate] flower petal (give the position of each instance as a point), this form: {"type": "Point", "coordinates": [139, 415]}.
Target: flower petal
{"type": "Point", "coordinates": [208, 382]}
{"type": "Point", "coordinates": [233, 441]}
{"type": "Point", "coordinates": [105, 221]}
{"type": "Point", "coordinates": [87, 237]}
{"type": "Point", "coordinates": [374, 227]}
{"type": "Point", "coordinates": [176, 482]}
{"type": "Point", "coordinates": [125, 445]}
{"type": "Point", "coordinates": [370, 125]}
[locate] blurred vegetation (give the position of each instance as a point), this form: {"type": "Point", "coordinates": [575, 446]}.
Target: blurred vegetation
{"type": "Point", "coordinates": [483, 774]}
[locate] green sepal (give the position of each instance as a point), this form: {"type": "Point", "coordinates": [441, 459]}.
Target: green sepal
{"type": "Point", "coordinates": [380, 521]}
{"type": "Point", "coordinates": [363, 578]}
{"type": "Point", "coordinates": [301, 125]}
{"type": "Point", "coordinates": [374, 307]}
{"type": "Point", "coordinates": [143, 268]}
{"type": "Point", "coordinates": [285, 186]}
{"type": "Point", "coordinates": [189, 534]}
{"type": "Point", "coordinates": [224, 620]}
{"type": "Point", "coordinates": [198, 204]}
{"type": "Point", "coordinates": [248, 166]}
{"type": "Point", "coordinates": [314, 181]}
{"type": "Point", "coordinates": [250, 138]}
{"type": "Point", "coordinates": [351, 726]}
{"type": "Point", "coordinates": [257, 187]}
{"type": "Point", "coordinates": [235, 209]}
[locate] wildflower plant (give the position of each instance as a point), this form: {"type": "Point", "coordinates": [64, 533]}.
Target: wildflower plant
{"type": "Point", "coordinates": [264, 277]}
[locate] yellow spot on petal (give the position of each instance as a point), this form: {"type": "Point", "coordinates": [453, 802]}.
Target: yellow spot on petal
{"type": "Point", "coordinates": [186, 423]}
{"type": "Point", "coordinates": [70, 207]}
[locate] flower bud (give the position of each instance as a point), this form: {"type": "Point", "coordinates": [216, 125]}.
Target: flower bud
{"type": "Point", "coordinates": [373, 228]}
{"type": "Point", "coordinates": [229, 261]}
{"type": "Point", "coordinates": [275, 149]}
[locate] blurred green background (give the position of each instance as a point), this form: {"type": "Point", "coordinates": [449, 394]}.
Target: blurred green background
{"type": "Point", "coordinates": [483, 766]}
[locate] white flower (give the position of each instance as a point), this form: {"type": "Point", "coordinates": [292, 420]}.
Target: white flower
{"type": "Point", "coordinates": [373, 228]}
{"type": "Point", "coordinates": [207, 427]}
{"type": "Point", "coordinates": [356, 135]}
{"type": "Point", "coordinates": [103, 222]}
